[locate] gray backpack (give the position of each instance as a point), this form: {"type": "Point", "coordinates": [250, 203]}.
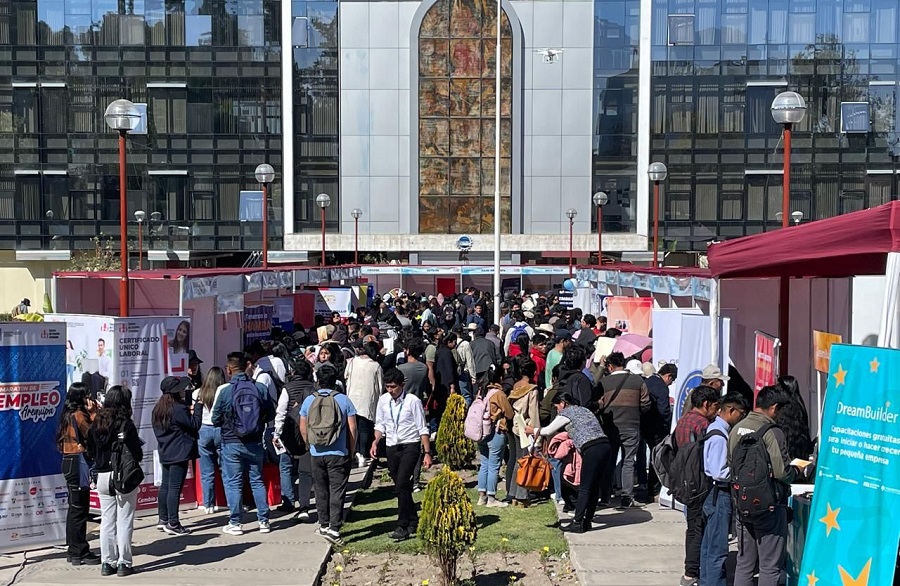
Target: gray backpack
{"type": "Point", "coordinates": [324, 420]}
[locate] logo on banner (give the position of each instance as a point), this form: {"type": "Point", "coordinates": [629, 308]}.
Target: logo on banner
{"type": "Point", "coordinates": [34, 401]}
{"type": "Point", "coordinates": [684, 393]}
{"type": "Point", "coordinates": [50, 334]}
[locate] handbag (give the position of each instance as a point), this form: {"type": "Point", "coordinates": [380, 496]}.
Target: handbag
{"type": "Point", "coordinates": [533, 473]}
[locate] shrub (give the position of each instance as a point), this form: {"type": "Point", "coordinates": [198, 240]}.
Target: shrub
{"type": "Point", "coordinates": [453, 447]}
{"type": "Point", "coordinates": [447, 524]}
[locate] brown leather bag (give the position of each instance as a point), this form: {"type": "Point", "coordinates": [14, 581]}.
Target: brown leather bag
{"type": "Point", "coordinates": [533, 473]}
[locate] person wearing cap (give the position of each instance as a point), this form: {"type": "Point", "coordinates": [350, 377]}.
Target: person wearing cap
{"type": "Point", "coordinates": [194, 372]}
{"type": "Point", "coordinates": [22, 308]}
{"type": "Point", "coordinates": [177, 429]}
{"type": "Point", "coordinates": [712, 377]}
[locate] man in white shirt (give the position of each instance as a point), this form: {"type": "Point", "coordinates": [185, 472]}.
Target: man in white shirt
{"type": "Point", "coordinates": [400, 420]}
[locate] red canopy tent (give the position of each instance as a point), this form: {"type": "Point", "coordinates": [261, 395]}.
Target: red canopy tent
{"type": "Point", "coordinates": [851, 244]}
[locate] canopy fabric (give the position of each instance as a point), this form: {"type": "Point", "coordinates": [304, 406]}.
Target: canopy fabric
{"type": "Point", "coordinates": [851, 244]}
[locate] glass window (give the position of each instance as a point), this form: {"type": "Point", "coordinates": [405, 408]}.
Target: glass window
{"type": "Point", "coordinates": [131, 30]}
{"type": "Point", "coordinates": [300, 32]}
{"type": "Point", "coordinates": [251, 31]}
{"type": "Point", "coordinates": [778, 23]}
{"type": "Point", "coordinates": [734, 29]}
{"type": "Point", "coordinates": [731, 206]}
{"type": "Point", "coordinates": [28, 197]}
{"type": "Point", "coordinates": [681, 29]}
{"type": "Point", "coordinates": [56, 197]}
{"type": "Point", "coordinates": [759, 114]}
{"type": "Point", "coordinates": [857, 5]}
{"type": "Point", "coordinates": [883, 104]}
{"type": "Point", "coordinates": [856, 28]}
{"type": "Point", "coordinates": [25, 110]}
{"type": "Point", "coordinates": [457, 103]}
{"type": "Point", "coordinates": [678, 206]}
{"type": "Point", "coordinates": [854, 117]}
{"type": "Point", "coordinates": [198, 31]}
{"type": "Point", "coordinates": [803, 28]}
{"type": "Point", "coordinates": [168, 111]}
{"type": "Point", "coordinates": [54, 106]}
{"type": "Point", "coordinates": [6, 110]}
{"type": "Point", "coordinates": [322, 24]}
{"type": "Point", "coordinates": [884, 21]}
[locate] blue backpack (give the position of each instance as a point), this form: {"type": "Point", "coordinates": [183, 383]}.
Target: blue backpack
{"type": "Point", "coordinates": [518, 331]}
{"type": "Point", "coordinates": [248, 408]}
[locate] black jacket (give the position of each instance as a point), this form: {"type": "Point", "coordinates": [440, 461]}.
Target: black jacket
{"type": "Point", "coordinates": [100, 444]}
{"type": "Point", "coordinates": [577, 384]}
{"type": "Point", "coordinates": [485, 353]}
{"type": "Point", "coordinates": [178, 442]}
{"type": "Point", "coordinates": [586, 338]}
{"type": "Point", "coordinates": [657, 422]}
{"type": "Point", "coordinates": [298, 390]}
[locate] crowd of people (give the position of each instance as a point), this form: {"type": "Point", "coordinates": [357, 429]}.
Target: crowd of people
{"type": "Point", "coordinates": [346, 391]}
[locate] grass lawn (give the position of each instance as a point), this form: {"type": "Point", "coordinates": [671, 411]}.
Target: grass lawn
{"type": "Point", "coordinates": [374, 516]}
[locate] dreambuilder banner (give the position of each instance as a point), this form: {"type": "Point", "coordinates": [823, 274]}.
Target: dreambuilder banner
{"type": "Point", "coordinates": [33, 497]}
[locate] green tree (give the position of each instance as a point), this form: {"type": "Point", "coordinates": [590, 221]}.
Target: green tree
{"type": "Point", "coordinates": [447, 526]}
{"type": "Point", "coordinates": [453, 447]}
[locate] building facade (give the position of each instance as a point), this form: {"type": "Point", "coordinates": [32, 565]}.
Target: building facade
{"type": "Point", "coordinates": [389, 107]}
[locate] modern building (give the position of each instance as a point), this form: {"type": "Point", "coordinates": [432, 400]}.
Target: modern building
{"type": "Point", "coordinates": [389, 108]}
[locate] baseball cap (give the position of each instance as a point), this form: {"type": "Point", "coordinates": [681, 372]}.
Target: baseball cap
{"type": "Point", "coordinates": [713, 372]}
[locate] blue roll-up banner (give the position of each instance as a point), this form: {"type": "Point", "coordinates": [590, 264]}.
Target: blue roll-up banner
{"type": "Point", "coordinates": [33, 498]}
{"type": "Point", "coordinates": [852, 535]}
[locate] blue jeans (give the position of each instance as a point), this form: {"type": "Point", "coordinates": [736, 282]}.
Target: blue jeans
{"type": "Point", "coordinates": [210, 448]}
{"type": "Point", "coordinates": [491, 457]}
{"type": "Point", "coordinates": [287, 465]}
{"type": "Point", "coordinates": [556, 469]}
{"type": "Point", "coordinates": [714, 547]}
{"type": "Point", "coordinates": [238, 458]}
{"type": "Point", "coordinates": [465, 388]}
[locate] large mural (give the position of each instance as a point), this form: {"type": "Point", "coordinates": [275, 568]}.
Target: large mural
{"type": "Point", "coordinates": [457, 110]}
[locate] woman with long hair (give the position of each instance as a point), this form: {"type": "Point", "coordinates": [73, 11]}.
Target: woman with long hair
{"type": "Point", "coordinates": [176, 427]}
{"type": "Point", "coordinates": [364, 386]}
{"type": "Point", "coordinates": [71, 440]}
{"type": "Point", "coordinates": [491, 447]}
{"type": "Point", "coordinates": [181, 341]}
{"type": "Point", "coordinates": [116, 510]}
{"type": "Point", "coordinates": [209, 445]}
{"type": "Point", "coordinates": [521, 345]}
{"type": "Point", "coordinates": [524, 401]}
{"type": "Point", "coordinates": [793, 419]}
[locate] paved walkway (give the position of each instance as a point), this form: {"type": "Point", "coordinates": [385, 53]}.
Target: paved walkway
{"type": "Point", "coordinates": [637, 547]}
{"type": "Point", "coordinates": [290, 554]}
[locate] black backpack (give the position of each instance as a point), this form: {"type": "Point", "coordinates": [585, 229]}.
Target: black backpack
{"type": "Point", "coordinates": [753, 483]}
{"type": "Point", "coordinates": [662, 457]}
{"type": "Point", "coordinates": [291, 438]}
{"type": "Point", "coordinates": [689, 482]}
{"type": "Point", "coordinates": [126, 473]}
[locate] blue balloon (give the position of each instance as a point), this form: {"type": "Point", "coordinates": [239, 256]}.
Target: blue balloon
{"type": "Point", "coordinates": [569, 284]}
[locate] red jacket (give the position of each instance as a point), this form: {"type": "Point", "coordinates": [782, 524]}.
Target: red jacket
{"type": "Point", "coordinates": [540, 360]}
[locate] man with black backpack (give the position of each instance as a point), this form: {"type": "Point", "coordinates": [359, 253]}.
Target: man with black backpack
{"type": "Point", "coordinates": [717, 503]}
{"type": "Point", "coordinates": [760, 477]}
{"type": "Point", "coordinates": [294, 463]}
{"type": "Point", "coordinates": [328, 425]}
{"type": "Point", "coordinates": [692, 428]}
{"type": "Point", "coordinates": [242, 410]}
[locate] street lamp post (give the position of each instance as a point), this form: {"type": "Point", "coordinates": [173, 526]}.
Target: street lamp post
{"type": "Point", "coordinates": [323, 200]}
{"type": "Point", "coordinates": [658, 173]}
{"type": "Point", "coordinates": [139, 218]}
{"type": "Point", "coordinates": [356, 213]}
{"type": "Point", "coordinates": [788, 108]}
{"type": "Point", "coordinates": [122, 116]}
{"type": "Point", "coordinates": [265, 174]}
{"type": "Point", "coordinates": [571, 213]}
{"type": "Point", "coordinates": [600, 199]}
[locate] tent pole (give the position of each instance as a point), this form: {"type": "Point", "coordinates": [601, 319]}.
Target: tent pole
{"type": "Point", "coordinates": [181, 295]}
{"type": "Point", "coordinates": [714, 324]}
{"type": "Point", "coordinates": [784, 322]}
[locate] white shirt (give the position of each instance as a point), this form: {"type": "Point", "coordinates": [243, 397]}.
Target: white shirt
{"type": "Point", "coordinates": [273, 364]}
{"type": "Point", "coordinates": [401, 421]}
{"type": "Point", "coordinates": [207, 411]}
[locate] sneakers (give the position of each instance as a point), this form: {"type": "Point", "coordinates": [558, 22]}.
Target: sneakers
{"type": "Point", "coordinates": [494, 503]}
{"type": "Point", "coordinates": [482, 500]}
{"type": "Point", "coordinates": [264, 527]}
{"type": "Point", "coordinates": [417, 488]}
{"type": "Point", "coordinates": [210, 510]}
{"type": "Point", "coordinates": [627, 503]}
{"type": "Point", "coordinates": [176, 529]}
{"type": "Point", "coordinates": [361, 460]}
{"type": "Point", "coordinates": [685, 581]}
{"type": "Point", "coordinates": [302, 516]}
{"type": "Point", "coordinates": [88, 559]}
{"type": "Point", "coordinates": [108, 570]}
{"type": "Point", "coordinates": [160, 525]}
{"type": "Point", "coordinates": [400, 534]}
{"type": "Point", "coordinates": [330, 535]}
{"type": "Point", "coordinates": [124, 570]}
{"type": "Point", "coordinates": [286, 506]}
{"type": "Point", "coordinates": [232, 529]}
